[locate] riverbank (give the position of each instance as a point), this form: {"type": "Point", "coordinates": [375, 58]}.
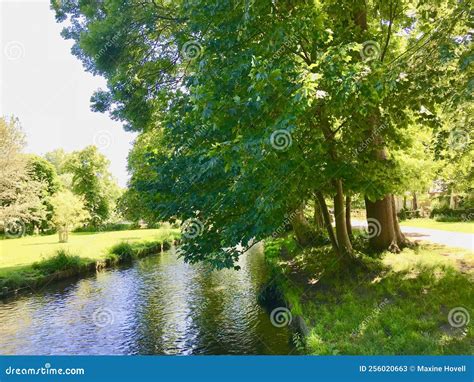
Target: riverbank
{"type": "Point", "coordinates": [415, 302]}
{"type": "Point", "coordinates": [32, 262]}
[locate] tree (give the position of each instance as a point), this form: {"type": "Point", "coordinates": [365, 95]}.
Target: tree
{"type": "Point", "coordinates": [20, 192]}
{"type": "Point", "coordinates": [264, 107]}
{"type": "Point", "coordinates": [68, 213]}
{"type": "Point", "coordinates": [92, 181]}
{"type": "Point", "coordinates": [58, 158]}
{"type": "Point", "coordinates": [40, 170]}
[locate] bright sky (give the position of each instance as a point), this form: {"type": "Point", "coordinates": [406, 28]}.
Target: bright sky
{"type": "Point", "coordinates": [46, 87]}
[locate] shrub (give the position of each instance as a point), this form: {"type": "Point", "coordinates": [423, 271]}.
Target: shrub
{"type": "Point", "coordinates": [63, 260]}
{"type": "Point", "coordinates": [405, 214]}
{"type": "Point", "coordinates": [447, 214]}
{"type": "Point", "coordinates": [108, 227]}
{"type": "Point", "coordinates": [123, 250]}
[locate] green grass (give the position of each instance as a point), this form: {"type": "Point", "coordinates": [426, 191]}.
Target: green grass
{"type": "Point", "coordinates": [29, 260]}
{"type": "Point", "coordinates": [386, 304]}
{"type": "Point", "coordinates": [26, 250]}
{"type": "Point", "coordinates": [465, 227]}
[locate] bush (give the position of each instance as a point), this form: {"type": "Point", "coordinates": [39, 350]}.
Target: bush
{"type": "Point", "coordinates": [447, 214]}
{"type": "Point", "coordinates": [405, 214]}
{"type": "Point", "coordinates": [62, 261]}
{"type": "Point", "coordinates": [108, 227]}
{"type": "Point", "coordinates": [123, 250]}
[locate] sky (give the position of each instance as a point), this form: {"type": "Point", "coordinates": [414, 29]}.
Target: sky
{"type": "Point", "coordinates": [47, 88]}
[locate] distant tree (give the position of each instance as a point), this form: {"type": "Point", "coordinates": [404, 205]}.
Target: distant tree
{"type": "Point", "coordinates": [455, 153]}
{"type": "Point", "coordinates": [92, 181]}
{"type": "Point", "coordinates": [68, 213]}
{"type": "Point", "coordinates": [40, 170]}
{"type": "Point", "coordinates": [58, 159]}
{"type": "Point", "coordinates": [20, 193]}
{"type": "Point", "coordinates": [136, 203]}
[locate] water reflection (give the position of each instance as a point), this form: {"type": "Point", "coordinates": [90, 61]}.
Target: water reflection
{"type": "Point", "coordinates": [159, 306]}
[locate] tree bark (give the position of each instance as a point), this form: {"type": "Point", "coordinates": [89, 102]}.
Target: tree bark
{"type": "Point", "coordinates": [343, 240]}
{"type": "Point", "coordinates": [327, 221]}
{"type": "Point", "coordinates": [302, 229]}
{"type": "Point", "coordinates": [404, 202]}
{"type": "Point", "coordinates": [401, 239]}
{"type": "Point", "coordinates": [63, 235]}
{"type": "Point", "coordinates": [348, 215]}
{"type": "Point", "coordinates": [415, 202]}
{"type": "Point", "coordinates": [381, 230]}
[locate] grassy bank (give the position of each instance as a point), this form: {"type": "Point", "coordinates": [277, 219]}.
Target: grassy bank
{"type": "Point", "coordinates": [31, 262]}
{"type": "Point", "coordinates": [464, 227]}
{"type": "Point", "coordinates": [386, 304]}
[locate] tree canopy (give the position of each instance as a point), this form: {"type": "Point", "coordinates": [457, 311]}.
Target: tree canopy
{"type": "Point", "coordinates": [251, 108]}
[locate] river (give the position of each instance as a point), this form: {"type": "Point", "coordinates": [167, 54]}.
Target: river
{"type": "Point", "coordinates": [159, 305]}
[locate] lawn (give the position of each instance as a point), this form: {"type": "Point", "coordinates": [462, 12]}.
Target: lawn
{"type": "Point", "coordinates": [465, 227]}
{"type": "Point", "coordinates": [16, 253]}
{"type": "Point", "coordinates": [389, 304]}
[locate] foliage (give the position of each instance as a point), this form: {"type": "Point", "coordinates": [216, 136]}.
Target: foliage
{"type": "Point", "coordinates": [58, 158]}
{"type": "Point", "coordinates": [20, 189]}
{"type": "Point", "coordinates": [93, 182]}
{"type": "Point", "coordinates": [68, 212]}
{"type": "Point", "coordinates": [123, 250]}
{"type": "Point", "coordinates": [108, 227]}
{"type": "Point", "coordinates": [42, 171]}
{"type": "Point", "coordinates": [276, 101]}
{"type": "Point", "coordinates": [62, 261]}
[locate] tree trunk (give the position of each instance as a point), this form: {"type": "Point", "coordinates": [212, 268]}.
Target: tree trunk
{"type": "Point", "coordinates": [415, 202]}
{"type": "Point", "coordinates": [381, 220]}
{"type": "Point", "coordinates": [401, 239]}
{"type": "Point", "coordinates": [327, 221]}
{"type": "Point", "coordinates": [348, 215]}
{"type": "Point", "coordinates": [63, 235]}
{"type": "Point", "coordinates": [343, 240]}
{"type": "Point", "coordinates": [404, 202]}
{"type": "Point", "coordinates": [318, 217]}
{"type": "Point", "coordinates": [302, 229]}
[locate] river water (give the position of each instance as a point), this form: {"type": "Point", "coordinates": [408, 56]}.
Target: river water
{"type": "Point", "coordinates": [160, 305]}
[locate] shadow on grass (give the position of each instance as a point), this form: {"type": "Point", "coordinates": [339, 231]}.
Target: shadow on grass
{"type": "Point", "coordinates": [371, 309]}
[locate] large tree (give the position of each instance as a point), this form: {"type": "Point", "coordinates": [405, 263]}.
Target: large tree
{"type": "Point", "coordinates": [20, 190]}
{"type": "Point", "coordinates": [42, 171]}
{"type": "Point", "coordinates": [69, 212]}
{"type": "Point", "coordinates": [263, 106]}
{"type": "Point", "coordinates": [92, 180]}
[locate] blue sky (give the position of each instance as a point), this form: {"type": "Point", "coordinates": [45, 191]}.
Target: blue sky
{"type": "Point", "coordinates": [48, 90]}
